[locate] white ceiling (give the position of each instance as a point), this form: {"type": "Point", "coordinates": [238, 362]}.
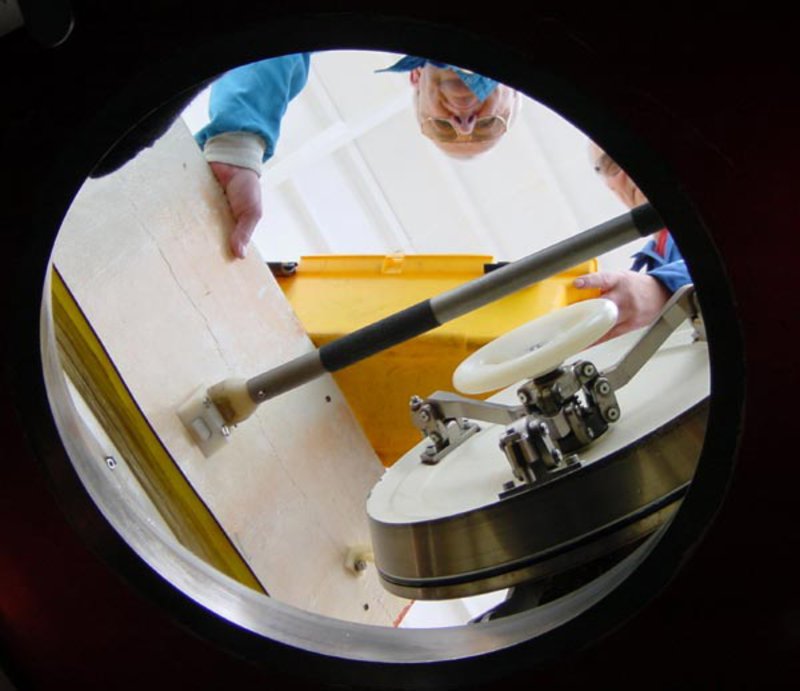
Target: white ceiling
{"type": "Point", "coordinates": [352, 175]}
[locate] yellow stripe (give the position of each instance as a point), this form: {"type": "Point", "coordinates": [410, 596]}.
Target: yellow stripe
{"type": "Point", "coordinates": [88, 365]}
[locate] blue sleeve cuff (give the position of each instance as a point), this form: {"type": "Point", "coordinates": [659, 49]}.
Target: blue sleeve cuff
{"type": "Point", "coordinates": [672, 275]}
{"type": "Point", "coordinates": [253, 98]}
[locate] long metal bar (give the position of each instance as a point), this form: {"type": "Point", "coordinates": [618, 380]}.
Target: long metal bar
{"type": "Point", "coordinates": [434, 312]}
{"type": "Point", "coordinates": [677, 309]}
{"type": "Point", "coordinates": [538, 266]}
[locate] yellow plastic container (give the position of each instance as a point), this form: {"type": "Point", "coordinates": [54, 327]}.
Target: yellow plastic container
{"type": "Point", "coordinates": [334, 295]}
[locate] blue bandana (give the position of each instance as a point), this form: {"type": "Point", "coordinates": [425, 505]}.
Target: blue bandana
{"type": "Point", "coordinates": [481, 86]}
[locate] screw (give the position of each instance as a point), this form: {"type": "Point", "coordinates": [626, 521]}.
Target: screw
{"type": "Point", "coordinates": [603, 388]}
{"type": "Point", "coordinates": [360, 565]}
{"type": "Point", "coordinates": [613, 414]}
{"type": "Point", "coordinates": [557, 455]}
{"type": "Point", "coordinates": [111, 462]}
{"type": "Point", "coordinates": [424, 415]}
{"type": "Point", "coordinates": [588, 369]}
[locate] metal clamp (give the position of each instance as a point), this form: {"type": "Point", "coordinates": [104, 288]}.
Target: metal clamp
{"type": "Point", "coordinates": [561, 412]}
{"type": "Point", "coordinates": [565, 411]}
{"type": "Point", "coordinates": [681, 306]}
{"type": "Point", "coordinates": [444, 430]}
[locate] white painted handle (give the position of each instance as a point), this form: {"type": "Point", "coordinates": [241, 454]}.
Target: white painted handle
{"type": "Point", "coordinates": [536, 347]}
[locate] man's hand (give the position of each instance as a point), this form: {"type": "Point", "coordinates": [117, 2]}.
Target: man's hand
{"type": "Point", "coordinates": [243, 189]}
{"type": "Point", "coordinates": [638, 297]}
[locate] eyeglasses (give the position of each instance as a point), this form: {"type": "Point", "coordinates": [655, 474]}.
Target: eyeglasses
{"type": "Point", "coordinates": [606, 166]}
{"type": "Point", "coordinates": [442, 130]}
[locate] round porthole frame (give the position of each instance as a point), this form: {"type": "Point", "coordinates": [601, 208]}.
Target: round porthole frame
{"type": "Point", "coordinates": [386, 658]}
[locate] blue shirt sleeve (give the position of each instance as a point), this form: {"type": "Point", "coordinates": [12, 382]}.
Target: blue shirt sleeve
{"type": "Point", "coordinates": [254, 98]}
{"type": "Point", "coordinates": [673, 275]}
{"type": "Point", "coordinates": [670, 269]}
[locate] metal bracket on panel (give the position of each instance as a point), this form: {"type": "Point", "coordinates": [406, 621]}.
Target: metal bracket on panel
{"type": "Point", "coordinates": [445, 432]}
{"type": "Point", "coordinates": [204, 422]}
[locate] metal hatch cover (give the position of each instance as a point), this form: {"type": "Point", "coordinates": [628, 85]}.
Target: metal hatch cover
{"type": "Point", "coordinates": [440, 531]}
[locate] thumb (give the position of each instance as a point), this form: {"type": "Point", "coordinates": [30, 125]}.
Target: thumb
{"type": "Point", "coordinates": [241, 234]}
{"type": "Point", "coordinates": [600, 280]}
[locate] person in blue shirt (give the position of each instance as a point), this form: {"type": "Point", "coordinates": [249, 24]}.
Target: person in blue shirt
{"type": "Point", "coordinates": [658, 269]}
{"type": "Point", "coordinates": [464, 114]}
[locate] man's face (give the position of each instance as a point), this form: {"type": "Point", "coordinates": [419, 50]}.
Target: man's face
{"type": "Point", "coordinates": [616, 179]}
{"type": "Point", "coordinates": [454, 118]}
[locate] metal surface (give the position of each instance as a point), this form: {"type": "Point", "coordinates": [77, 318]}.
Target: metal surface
{"type": "Point", "coordinates": [444, 430]}
{"type": "Point", "coordinates": [537, 266]}
{"type": "Point", "coordinates": [285, 377]}
{"type": "Point", "coordinates": [563, 410]}
{"type": "Point", "coordinates": [565, 511]}
{"type": "Point", "coordinates": [682, 305]}
{"type": "Point", "coordinates": [546, 529]}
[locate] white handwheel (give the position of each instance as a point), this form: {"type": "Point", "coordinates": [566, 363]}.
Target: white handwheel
{"type": "Point", "coordinates": [536, 347]}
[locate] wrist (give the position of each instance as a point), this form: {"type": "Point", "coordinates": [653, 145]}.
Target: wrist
{"type": "Point", "coordinates": [239, 149]}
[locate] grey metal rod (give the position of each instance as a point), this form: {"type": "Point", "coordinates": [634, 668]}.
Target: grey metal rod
{"type": "Point", "coordinates": [534, 267]}
{"type": "Point", "coordinates": [429, 314]}
{"type": "Point", "coordinates": [285, 377]}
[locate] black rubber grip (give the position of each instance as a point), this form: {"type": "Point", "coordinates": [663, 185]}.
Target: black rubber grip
{"type": "Point", "coordinates": [376, 337]}
{"type": "Point", "coordinates": [646, 220]}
